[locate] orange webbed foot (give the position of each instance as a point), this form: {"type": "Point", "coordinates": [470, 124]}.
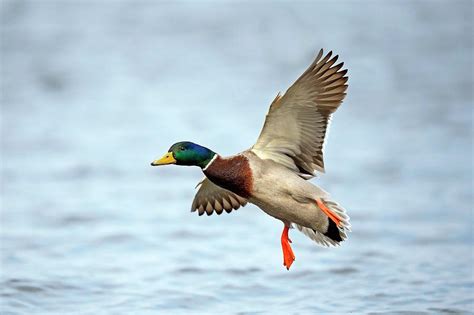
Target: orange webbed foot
{"type": "Point", "coordinates": [334, 217]}
{"type": "Point", "coordinates": [288, 255]}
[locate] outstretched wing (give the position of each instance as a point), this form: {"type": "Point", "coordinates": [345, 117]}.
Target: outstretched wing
{"type": "Point", "coordinates": [211, 197]}
{"type": "Point", "coordinates": [296, 124]}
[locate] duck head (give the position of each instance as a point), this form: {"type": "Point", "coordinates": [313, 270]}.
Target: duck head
{"type": "Point", "coordinates": [186, 153]}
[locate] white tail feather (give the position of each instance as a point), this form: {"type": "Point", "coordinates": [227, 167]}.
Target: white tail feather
{"type": "Point", "coordinates": [343, 227]}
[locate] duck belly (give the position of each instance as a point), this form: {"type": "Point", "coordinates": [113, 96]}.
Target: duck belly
{"type": "Point", "coordinates": [286, 196]}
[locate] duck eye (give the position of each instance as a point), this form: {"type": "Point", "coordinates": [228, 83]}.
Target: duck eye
{"type": "Point", "coordinates": [182, 149]}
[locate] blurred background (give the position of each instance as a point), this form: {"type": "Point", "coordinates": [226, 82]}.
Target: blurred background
{"type": "Point", "coordinates": [93, 91]}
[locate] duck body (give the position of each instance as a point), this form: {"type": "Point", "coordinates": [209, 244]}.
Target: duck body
{"type": "Point", "coordinates": [284, 195]}
{"type": "Point", "coordinates": [274, 173]}
{"type": "Point", "coordinates": [275, 189]}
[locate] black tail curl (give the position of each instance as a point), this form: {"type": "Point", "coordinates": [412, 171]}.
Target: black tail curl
{"type": "Point", "coordinates": [333, 231]}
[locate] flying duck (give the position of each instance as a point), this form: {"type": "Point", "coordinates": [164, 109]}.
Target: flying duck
{"type": "Point", "coordinates": [273, 174]}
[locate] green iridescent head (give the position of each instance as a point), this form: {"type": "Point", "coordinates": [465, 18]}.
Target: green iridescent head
{"type": "Point", "coordinates": [186, 153]}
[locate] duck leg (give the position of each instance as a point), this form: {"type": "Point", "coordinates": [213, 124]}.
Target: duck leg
{"type": "Point", "coordinates": [288, 255]}
{"type": "Point", "coordinates": [328, 212]}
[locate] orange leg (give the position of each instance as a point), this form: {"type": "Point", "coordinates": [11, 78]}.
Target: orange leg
{"type": "Point", "coordinates": [288, 256]}
{"type": "Point", "coordinates": [328, 212]}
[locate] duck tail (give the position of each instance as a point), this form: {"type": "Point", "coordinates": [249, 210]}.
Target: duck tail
{"type": "Point", "coordinates": [336, 229]}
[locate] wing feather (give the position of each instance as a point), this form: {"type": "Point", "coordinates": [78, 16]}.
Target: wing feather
{"type": "Point", "coordinates": [211, 198]}
{"type": "Point", "coordinates": [296, 124]}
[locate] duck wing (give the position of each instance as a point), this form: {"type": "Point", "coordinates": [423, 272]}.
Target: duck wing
{"type": "Point", "coordinates": [211, 197]}
{"type": "Point", "coordinates": [296, 124]}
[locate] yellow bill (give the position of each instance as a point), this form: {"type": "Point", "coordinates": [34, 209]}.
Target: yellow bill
{"type": "Point", "coordinates": [165, 160]}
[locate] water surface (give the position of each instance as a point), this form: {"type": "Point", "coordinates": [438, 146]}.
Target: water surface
{"type": "Point", "coordinates": [92, 92]}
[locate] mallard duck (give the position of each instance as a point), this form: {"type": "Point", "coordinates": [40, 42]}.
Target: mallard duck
{"type": "Point", "coordinates": [273, 174]}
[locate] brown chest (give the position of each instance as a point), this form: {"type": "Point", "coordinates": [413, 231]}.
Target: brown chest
{"type": "Point", "coordinates": [232, 173]}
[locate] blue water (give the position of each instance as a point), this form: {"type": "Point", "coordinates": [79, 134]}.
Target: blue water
{"type": "Point", "coordinates": [92, 92]}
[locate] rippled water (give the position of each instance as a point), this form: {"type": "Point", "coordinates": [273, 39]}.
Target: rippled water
{"type": "Point", "coordinates": [92, 92]}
